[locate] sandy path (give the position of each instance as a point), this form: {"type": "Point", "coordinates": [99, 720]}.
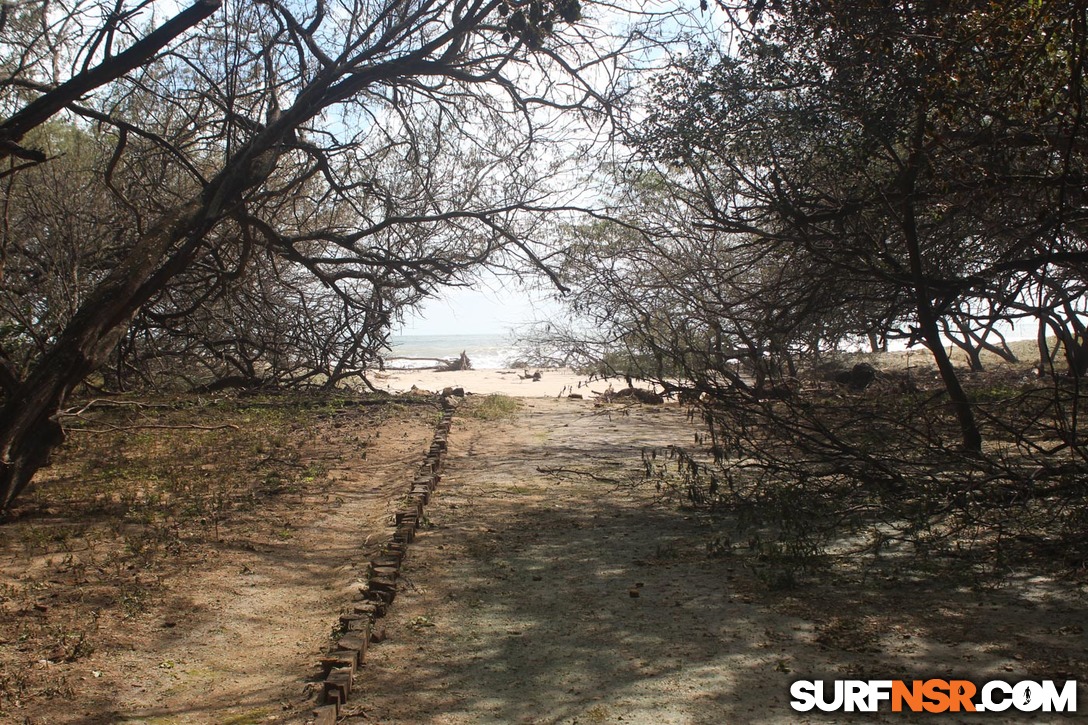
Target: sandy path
{"type": "Point", "coordinates": [528, 597]}
{"type": "Point", "coordinates": [553, 382]}
{"type": "Point", "coordinates": [522, 609]}
{"type": "Point", "coordinates": [521, 606]}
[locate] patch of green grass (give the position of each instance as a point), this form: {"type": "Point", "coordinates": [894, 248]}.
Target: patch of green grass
{"type": "Point", "coordinates": [494, 407]}
{"type": "Point", "coordinates": [252, 717]}
{"type": "Point", "coordinates": [994, 394]}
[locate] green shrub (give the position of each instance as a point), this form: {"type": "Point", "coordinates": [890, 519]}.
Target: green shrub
{"type": "Point", "coordinates": [494, 407]}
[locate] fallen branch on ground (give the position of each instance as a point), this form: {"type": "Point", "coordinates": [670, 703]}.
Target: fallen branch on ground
{"type": "Point", "coordinates": [116, 428]}
{"type": "Point", "coordinates": [557, 471]}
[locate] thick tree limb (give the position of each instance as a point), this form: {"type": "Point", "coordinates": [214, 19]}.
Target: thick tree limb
{"type": "Point", "coordinates": [44, 107]}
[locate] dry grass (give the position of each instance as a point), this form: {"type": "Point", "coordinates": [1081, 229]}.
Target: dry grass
{"type": "Point", "coordinates": [1026, 352]}
{"type": "Point", "coordinates": [143, 491]}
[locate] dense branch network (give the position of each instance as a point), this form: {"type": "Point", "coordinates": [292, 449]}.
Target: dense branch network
{"type": "Point", "coordinates": [252, 192]}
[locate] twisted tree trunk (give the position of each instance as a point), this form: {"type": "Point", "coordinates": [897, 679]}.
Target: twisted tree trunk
{"type": "Point", "coordinates": [970, 434]}
{"type": "Point", "coordinates": [29, 431]}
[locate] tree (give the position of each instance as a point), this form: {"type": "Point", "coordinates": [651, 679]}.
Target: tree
{"type": "Point", "coordinates": [928, 155]}
{"type": "Point", "coordinates": [263, 132]}
{"type": "Point", "coordinates": [33, 24]}
{"type": "Point", "coordinates": [833, 171]}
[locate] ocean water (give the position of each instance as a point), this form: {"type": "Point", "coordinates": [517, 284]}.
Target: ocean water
{"type": "Point", "coordinates": [485, 352]}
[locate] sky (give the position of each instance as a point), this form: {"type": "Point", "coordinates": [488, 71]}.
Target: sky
{"type": "Point", "coordinates": [489, 307]}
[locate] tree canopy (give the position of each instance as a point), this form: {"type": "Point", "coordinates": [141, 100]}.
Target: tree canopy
{"type": "Point", "coordinates": [246, 194]}
{"type": "Point", "coordinates": [251, 192]}
{"type": "Point", "coordinates": [829, 173]}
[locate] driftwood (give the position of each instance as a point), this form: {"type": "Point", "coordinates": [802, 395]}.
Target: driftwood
{"type": "Point", "coordinates": [461, 363]}
{"type": "Point", "coordinates": [442, 365]}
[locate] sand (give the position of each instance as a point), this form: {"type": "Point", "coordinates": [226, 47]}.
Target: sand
{"type": "Point", "coordinates": [553, 382]}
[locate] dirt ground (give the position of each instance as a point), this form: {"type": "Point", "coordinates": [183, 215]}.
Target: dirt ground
{"type": "Point", "coordinates": [136, 617]}
{"type": "Point", "coordinates": [547, 585]}
{"type": "Point", "coordinates": [574, 596]}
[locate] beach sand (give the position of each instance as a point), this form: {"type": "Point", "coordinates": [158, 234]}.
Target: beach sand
{"type": "Point", "coordinates": [553, 382]}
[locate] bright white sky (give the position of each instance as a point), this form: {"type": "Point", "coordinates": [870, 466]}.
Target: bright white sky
{"type": "Point", "coordinates": [492, 306]}
{"type": "Point", "coordinates": [489, 307]}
